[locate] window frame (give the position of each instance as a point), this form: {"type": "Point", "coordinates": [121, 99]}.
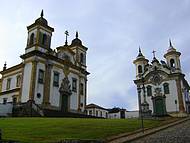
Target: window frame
{"type": "Point", "coordinates": [166, 88]}
{"type": "Point", "coordinates": [149, 90]}
{"type": "Point", "coordinates": [81, 88]}
{"type": "Point", "coordinates": [140, 70]}
{"type": "Point", "coordinates": [74, 84]}
{"type": "Point", "coordinates": [56, 80]}
{"type": "Point", "coordinates": [8, 86]}
{"type": "Point", "coordinates": [18, 80]}
{"type": "Point", "coordinates": [5, 100]}
{"type": "Point", "coordinates": [41, 74]}
{"type": "Point", "coordinates": [31, 41]}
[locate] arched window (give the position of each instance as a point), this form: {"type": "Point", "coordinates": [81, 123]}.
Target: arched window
{"type": "Point", "coordinates": [139, 69]}
{"type": "Point", "coordinates": [81, 57]}
{"type": "Point", "coordinates": [149, 90]}
{"type": "Point", "coordinates": [18, 80]}
{"type": "Point", "coordinates": [44, 39]}
{"type": "Point", "coordinates": [31, 39]}
{"type": "Point", "coordinates": [172, 63]}
{"type": "Point", "coordinates": [166, 88]}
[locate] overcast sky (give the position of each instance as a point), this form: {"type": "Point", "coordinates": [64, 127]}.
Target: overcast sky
{"type": "Point", "coordinates": [111, 29]}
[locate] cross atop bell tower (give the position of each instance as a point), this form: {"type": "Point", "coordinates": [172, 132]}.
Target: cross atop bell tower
{"type": "Point", "coordinates": [154, 55]}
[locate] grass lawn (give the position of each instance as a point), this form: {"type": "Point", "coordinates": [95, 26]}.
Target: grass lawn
{"type": "Point", "coordinates": [44, 130]}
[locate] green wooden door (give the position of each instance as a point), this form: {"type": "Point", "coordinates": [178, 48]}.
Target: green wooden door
{"type": "Point", "coordinates": [159, 107]}
{"type": "Point", "coordinates": [64, 105]}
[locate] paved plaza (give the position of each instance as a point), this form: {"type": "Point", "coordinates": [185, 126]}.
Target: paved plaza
{"type": "Point", "coordinates": [177, 134]}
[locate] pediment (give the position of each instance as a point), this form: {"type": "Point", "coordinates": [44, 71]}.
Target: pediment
{"type": "Point", "coordinates": [156, 77]}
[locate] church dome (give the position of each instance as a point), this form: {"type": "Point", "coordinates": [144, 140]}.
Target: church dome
{"type": "Point", "coordinates": [76, 41]}
{"type": "Point", "coordinates": [41, 20]}
{"type": "Point", "coordinates": [140, 55]}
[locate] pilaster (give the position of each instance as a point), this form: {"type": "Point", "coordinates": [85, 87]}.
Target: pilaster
{"type": "Point", "coordinates": [48, 69]}
{"type": "Point", "coordinates": [33, 80]}
{"type": "Point", "coordinates": [179, 93]}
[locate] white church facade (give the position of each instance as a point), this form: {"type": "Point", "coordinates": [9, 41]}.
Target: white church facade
{"type": "Point", "coordinates": [52, 79]}
{"type": "Point", "coordinates": [161, 86]}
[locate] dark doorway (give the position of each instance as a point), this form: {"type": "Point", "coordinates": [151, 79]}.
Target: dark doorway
{"type": "Point", "coordinates": [159, 106]}
{"type": "Point", "coordinates": [64, 103]}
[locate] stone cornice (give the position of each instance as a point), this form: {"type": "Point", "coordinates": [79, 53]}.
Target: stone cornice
{"type": "Point", "coordinates": [54, 58]}
{"type": "Point", "coordinates": [16, 67]}
{"type": "Point", "coordinates": [10, 91]}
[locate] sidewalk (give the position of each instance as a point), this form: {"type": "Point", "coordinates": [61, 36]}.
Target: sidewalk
{"type": "Point", "coordinates": [128, 137]}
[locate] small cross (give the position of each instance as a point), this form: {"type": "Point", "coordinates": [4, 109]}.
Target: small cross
{"type": "Point", "coordinates": [154, 53]}
{"type": "Point", "coordinates": [66, 34]}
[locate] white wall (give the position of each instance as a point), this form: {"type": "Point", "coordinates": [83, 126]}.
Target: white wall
{"type": "Point", "coordinates": [131, 114]}
{"type": "Point", "coordinates": [26, 82]}
{"type": "Point", "coordinates": [94, 110]}
{"type": "Point", "coordinates": [74, 98]}
{"type": "Point", "coordinates": [5, 109]}
{"type": "Point", "coordinates": [170, 98]}
{"type": "Point", "coordinates": [114, 115]}
{"type": "Point", "coordinates": [13, 76]}
{"type": "Point", "coordinates": [39, 88]}
{"type": "Point", "coordinates": [54, 91]}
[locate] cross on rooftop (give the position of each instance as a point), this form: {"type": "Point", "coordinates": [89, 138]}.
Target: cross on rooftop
{"type": "Point", "coordinates": [154, 53]}
{"type": "Point", "coordinates": [66, 34]}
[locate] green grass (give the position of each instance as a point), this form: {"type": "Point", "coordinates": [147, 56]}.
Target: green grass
{"type": "Point", "coordinates": [43, 130]}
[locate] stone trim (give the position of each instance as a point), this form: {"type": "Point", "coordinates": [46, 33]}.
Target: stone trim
{"type": "Point", "coordinates": [11, 69]}
{"type": "Point", "coordinates": [179, 93]}
{"type": "Point", "coordinates": [48, 69]}
{"type": "Point", "coordinates": [33, 80]}
{"type": "Point", "coordinates": [10, 91]}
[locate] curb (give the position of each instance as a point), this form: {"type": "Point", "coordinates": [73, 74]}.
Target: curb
{"type": "Point", "coordinates": [128, 137]}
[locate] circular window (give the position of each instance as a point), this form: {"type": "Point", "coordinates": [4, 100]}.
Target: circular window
{"type": "Point", "coordinates": [38, 95]}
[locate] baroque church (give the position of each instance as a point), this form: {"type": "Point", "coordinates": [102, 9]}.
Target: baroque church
{"type": "Point", "coordinates": [49, 78]}
{"type": "Point", "coordinates": [161, 86]}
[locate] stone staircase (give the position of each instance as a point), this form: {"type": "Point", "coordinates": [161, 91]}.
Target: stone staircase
{"type": "Point", "coordinates": [31, 109]}
{"type": "Point", "coordinates": [28, 109]}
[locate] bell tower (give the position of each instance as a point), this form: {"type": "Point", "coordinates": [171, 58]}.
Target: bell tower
{"type": "Point", "coordinates": [173, 58]}
{"type": "Point", "coordinates": [39, 35]}
{"type": "Point", "coordinates": [140, 63]}
{"type": "Point", "coordinates": [80, 51]}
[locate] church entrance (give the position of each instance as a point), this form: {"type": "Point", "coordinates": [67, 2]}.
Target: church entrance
{"type": "Point", "coordinates": [65, 93]}
{"type": "Point", "coordinates": [159, 105]}
{"type": "Point", "coordinates": [64, 103]}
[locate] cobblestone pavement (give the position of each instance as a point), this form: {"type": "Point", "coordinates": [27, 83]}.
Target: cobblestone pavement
{"type": "Point", "coordinates": [177, 134]}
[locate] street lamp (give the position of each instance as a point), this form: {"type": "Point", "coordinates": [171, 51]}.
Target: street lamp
{"type": "Point", "coordinates": [140, 107]}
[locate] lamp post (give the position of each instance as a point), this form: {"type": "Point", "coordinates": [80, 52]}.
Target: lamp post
{"type": "Point", "coordinates": [140, 107]}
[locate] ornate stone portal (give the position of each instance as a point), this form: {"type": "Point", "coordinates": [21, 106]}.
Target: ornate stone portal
{"type": "Point", "coordinates": [65, 92]}
{"type": "Point", "coordinates": [159, 103]}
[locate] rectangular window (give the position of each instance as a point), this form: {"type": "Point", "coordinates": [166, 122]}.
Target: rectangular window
{"type": "Point", "coordinates": [166, 88]}
{"type": "Point", "coordinates": [90, 112]}
{"type": "Point", "coordinates": [96, 113]}
{"type": "Point", "coordinates": [74, 84]}
{"type": "Point", "coordinates": [149, 90]}
{"type": "Point", "coordinates": [14, 100]}
{"type": "Point", "coordinates": [8, 83]}
{"type": "Point", "coordinates": [4, 100]}
{"type": "Point", "coordinates": [100, 113]}
{"type": "Point", "coordinates": [81, 89]}
{"type": "Point", "coordinates": [56, 79]}
{"type": "Point", "coordinates": [18, 80]}
{"type": "Point", "coordinates": [41, 76]}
